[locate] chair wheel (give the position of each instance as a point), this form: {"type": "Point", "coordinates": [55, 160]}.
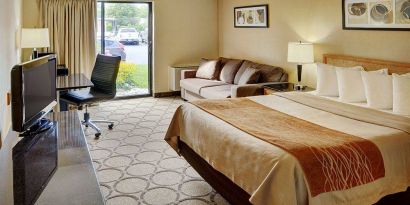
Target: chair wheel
{"type": "Point", "coordinates": [86, 125]}
{"type": "Point", "coordinates": [111, 126]}
{"type": "Point", "coordinates": [97, 135]}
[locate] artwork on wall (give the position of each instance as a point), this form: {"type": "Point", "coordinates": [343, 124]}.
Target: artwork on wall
{"type": "Point", "coordinates": [252, 16]}
{"type": "Point", "coordinates": [376, 14]}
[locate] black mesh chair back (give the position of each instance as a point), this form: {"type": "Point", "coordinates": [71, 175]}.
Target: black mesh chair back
{"type": "Point", "coordinates": [104, 75]}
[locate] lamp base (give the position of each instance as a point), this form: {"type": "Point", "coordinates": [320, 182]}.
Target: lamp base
{"type": "Point", "coordinates": [34, 55]}
{"type": "Point", "coordinates": [299, 73]}
{"type": "Point", "coordinates": [299, 87]}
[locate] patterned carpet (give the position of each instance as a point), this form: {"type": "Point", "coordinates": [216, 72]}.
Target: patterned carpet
{"type": "Point", "coordinates": [135, 165]}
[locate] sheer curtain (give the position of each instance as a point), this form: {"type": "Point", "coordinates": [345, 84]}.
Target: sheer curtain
{"type": "Point", "coordinates": [72, 27]}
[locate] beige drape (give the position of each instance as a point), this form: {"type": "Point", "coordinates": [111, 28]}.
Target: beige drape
{"type": "Point", "coordinates": [72, 27]}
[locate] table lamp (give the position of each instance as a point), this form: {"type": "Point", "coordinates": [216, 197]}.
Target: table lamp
{"type": "Point", "coordinates": [35, 38]}
{"type": "Point", "coordinates": [300, 53]}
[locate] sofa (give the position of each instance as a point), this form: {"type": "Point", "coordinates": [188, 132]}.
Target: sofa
{"type": "Point", "coordinates": [228, 78]}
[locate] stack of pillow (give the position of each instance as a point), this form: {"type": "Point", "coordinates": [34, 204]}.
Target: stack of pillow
{"type": "Point", "coordinates": [354, 85]}
{"type": "Point", "coordinates": [239, 72]}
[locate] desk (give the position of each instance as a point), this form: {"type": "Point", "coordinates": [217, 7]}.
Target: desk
{"type": "Point", "coordinates": [70, 82]}
{"type": "Point", "coordinates": [75, 81]}
{"type": "Point", "coordinates": [75, 181]}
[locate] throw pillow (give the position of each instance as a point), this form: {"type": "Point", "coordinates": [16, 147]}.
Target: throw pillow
{"type": "Point", "coordinates": [246, 64]}
{"type": "Point", "coordinates": [249, 76]}
{"type": "Point", "coordinates": [208, 69]}
{"type": "Point", "coordinates": [229, 71]}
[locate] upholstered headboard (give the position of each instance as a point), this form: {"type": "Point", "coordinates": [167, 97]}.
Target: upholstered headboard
{"type": "Point", "coordinates": [368, 64]}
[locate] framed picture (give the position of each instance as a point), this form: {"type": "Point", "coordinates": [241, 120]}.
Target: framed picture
{"type": "Point", "coordinates": [376, 15]}
{"type": "Point", "coordinates": [252, 16]}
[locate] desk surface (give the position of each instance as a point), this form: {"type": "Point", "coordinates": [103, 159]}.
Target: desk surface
{"type": "Point", "coordinates": [74, 81]}
{"type": "Point", "coordinates": [75, 181]}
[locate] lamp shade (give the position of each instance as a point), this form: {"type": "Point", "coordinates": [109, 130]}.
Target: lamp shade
{"type": "Point", "coordinates": [300, 53]}
{"type": "Point", "coordinates": [35, 38]}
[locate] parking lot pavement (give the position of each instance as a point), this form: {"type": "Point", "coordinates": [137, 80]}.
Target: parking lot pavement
{"type": "Point", "coordinates": [137, 54]}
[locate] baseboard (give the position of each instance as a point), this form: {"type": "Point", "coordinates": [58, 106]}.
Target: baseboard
{"type": "Point", "coordinates": [167, 94]}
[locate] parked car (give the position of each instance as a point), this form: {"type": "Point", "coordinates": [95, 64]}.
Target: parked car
{"type": "Point", "coordinates": [128, 36]}
{"type": "Point", "coordinates": [115, 48]}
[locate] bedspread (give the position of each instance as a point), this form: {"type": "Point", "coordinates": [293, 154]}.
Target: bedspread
{"type": "Point", "coordinates": [272, 175]}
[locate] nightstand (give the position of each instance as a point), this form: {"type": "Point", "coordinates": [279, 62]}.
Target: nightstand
{"type": "Point", "coordinates": [282, 87]}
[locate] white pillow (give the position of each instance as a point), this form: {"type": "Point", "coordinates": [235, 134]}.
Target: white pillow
{"type": "Point", "coordinates": [401, 94]}
{"type": "Point", "coordinates": [350, 84]}
{"type": "Point", "coordinates": [379, 89]}
{"type": "Point", "coordinates": [207, 69]}
{"type": "Point", "coordinates": [326, 80]}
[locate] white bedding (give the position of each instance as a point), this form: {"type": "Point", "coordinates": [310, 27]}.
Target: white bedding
{"type": "Point", "coordinates": [360, 104]}
{"type": "Point", "coordinates": [271, 175]}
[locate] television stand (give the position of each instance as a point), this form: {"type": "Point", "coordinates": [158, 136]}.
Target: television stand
{"type": "Point", "coordinates": [75, 181]}
{"type": "Point", "coordinates": [41, 126]}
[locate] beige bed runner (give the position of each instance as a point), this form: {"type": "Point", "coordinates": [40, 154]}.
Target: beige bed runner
{"type": "Point", "coordinates": [331, 160]}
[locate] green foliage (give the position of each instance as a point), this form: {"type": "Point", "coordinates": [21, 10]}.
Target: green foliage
{"type": "Point", "coordinates": [132, 75]}
{"type": "Point", "coordinates": [141, 26]}
{"type": "Point", "coordinates": [142, 76]}
{"type": "Point", "coordinates": [108, 27]}
{"type": "Point", "coordinates": [128, 15]}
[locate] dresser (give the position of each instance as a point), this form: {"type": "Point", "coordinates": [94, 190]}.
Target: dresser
{"type": "Point", "coordinates": [75, 181]}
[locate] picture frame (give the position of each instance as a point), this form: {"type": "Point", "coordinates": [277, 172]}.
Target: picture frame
{"type": "Point", "coordinates": [255, 16]}
{"type": "Point", "coordinates": [385, 15]}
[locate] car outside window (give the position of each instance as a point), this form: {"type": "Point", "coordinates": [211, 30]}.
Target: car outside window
{"type": "Point", "coordinates": [109, 43]}
{"type": "Point", "coordinates": [128, 31]}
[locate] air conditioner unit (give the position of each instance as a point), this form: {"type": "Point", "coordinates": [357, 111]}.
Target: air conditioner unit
{"type": "Point", "coordinates": [174, 76]}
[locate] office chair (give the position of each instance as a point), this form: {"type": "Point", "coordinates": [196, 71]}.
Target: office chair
{"type": "Point", "coordinates": [104, 77]}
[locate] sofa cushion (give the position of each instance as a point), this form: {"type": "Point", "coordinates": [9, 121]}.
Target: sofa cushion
{"type": "Point", "coordinates": [208, 69]}
{"type": "Point", "coordinates": [229, 69]}
{"type": "Point", "coordinates": [250, 76]}
{"type": "Point", "coordinates": [196, 84]}
{"type": "Point", "coordinates": [216, 92]}
{"type": "Point", "coordinates": [246, 64]}
{"type": "Point", "coordinates": [270, 73]}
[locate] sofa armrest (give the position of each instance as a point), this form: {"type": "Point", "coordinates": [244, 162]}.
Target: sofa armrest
{"type": "Point", "coordinates": [185, 74]}
{"type": "Point", "coordinates": [238, 91]}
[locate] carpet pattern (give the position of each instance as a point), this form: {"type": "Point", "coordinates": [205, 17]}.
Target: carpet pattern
{"type": "Point", "coordinates": [135, 165]}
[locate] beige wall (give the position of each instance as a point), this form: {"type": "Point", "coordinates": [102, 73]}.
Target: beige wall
{"type": "Point", "coordinates": [317, 21]}
{"type": "Point", "coordinates": [10, 24]}
{"type": "Point", "coordinates": [30, 20]}
{"type": "Point", "coordinates": [185, 31]}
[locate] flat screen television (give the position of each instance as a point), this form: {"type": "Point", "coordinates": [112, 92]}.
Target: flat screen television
{"type": "Point", "coordinates": [33, 92]}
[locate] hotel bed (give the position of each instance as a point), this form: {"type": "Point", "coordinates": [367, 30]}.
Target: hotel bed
{"type": "Point", "coordinates": [266, 159]}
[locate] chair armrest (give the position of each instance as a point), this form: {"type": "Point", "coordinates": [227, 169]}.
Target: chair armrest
{"type": "Point", "coordinates": [185, 74]}
{"type": "Point", "coordinates": [239, 91]}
